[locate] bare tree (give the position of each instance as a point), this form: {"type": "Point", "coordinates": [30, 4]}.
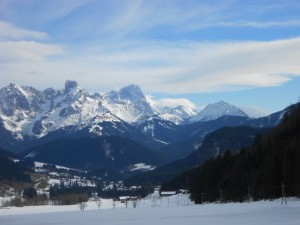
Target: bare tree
{"type": "Point", "coordinates": [82, 205]}
{"type": "Point", "coordinates": [177, 201]}
{"type": "Point", "coordinates": [98, 202]}
{"type": "Point", "coordinates": [134, 203]}
{"type": "Point", "coordinates": [114, 203]}
{"type": "Point", "coordinates": [154, 204]}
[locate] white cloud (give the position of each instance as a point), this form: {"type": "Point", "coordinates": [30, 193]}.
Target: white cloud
{"type": "Point", "coordinates": [182, 67]}
{"type": "Point", "coordinates": [171, 102]}
{"type": "Point", "coordinates": [26, 51]}
{"type": "Point", "coordinates": [10, 32]}
{"type": "Point", "coordinates": [207, 67]}
{"type": "Point", "coordinates": [22, 54]}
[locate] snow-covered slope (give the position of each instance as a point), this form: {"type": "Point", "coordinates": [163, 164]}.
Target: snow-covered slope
{"type": "Point", "coordinates": [217, 110]}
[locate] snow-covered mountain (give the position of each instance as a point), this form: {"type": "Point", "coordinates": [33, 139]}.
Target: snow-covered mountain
{"type": "Point", "coordinates": [129, 103]}
{"type": "Point", "coordinates": [217, 110]}
{"type": "Point", "coordinates": [27, 111]}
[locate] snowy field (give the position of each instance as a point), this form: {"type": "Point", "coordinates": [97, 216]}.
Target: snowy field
{"type": "Point", "coordinates": [175, 211]}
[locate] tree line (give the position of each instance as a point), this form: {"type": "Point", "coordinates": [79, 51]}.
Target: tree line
{"type": "Point", "coordinates": [69, 195]}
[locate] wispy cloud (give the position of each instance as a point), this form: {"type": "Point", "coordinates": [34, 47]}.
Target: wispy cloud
{"type": "Point", "coordinates": [34, 12]}
{"type": "Point", "coordinates": [140, 18]}
{"type": "Point", "coordinates": [62, 8]}
{"type": "Point", "coordinates": [119, 19]}
{"type": "Point", "coordinates": [143, 16]}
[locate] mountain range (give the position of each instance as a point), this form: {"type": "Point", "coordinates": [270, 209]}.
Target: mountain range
{"type": "Point", "coordinates": [27, 114]}
{"type": "Point", "coordinates": [37, 122]}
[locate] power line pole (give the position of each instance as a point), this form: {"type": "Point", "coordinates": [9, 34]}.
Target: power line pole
{"type": "Point", "coordinates": [221, 195]}
{"type": "Point", "coordinates": [248, 193]}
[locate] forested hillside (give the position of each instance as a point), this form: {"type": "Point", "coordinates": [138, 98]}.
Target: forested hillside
{"type": "Point", "coordinates": [263, 171]}
{"type": "Point", "coordinates": [112, 152]}
{"type": "Point", "coordinates": [11, 171]}
{"type": "Point", "coordinates": [216, 143]}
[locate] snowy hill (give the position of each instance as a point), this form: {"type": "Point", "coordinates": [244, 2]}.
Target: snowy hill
{"type": "Point", "coordinates": [217, 110]}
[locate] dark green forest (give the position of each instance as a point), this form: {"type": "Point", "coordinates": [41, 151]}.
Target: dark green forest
{"type": "Point", "coordinates": [264, 170]}
{"type": "Point", "coordinates": [11, 171]}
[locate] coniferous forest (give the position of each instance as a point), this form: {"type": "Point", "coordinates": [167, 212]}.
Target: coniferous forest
{"type": "Point", "coordinates": [11, 171]}
{"type": "Point", "coordinates": [268, 169]}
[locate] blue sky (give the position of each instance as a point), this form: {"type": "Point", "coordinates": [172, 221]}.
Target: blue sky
{"type": "Point", "coordinates": [244, 52]}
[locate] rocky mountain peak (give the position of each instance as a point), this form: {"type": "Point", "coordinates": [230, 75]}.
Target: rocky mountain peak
{"type": "Point", "coordinates": [69, 85]}
{"type": "Point", "coordinates": [15, 99]}
{"type": "Point", "coordinates": [131, 92]}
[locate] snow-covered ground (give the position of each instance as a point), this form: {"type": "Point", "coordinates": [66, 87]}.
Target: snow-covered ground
{"type": "Point", "coordinates": [174, 210]}
{"type": "Point", "coordinates": [142, 166]}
